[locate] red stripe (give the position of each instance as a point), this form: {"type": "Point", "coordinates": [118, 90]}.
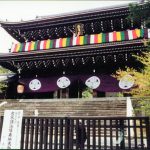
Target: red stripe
{"type": "Point", "coordinates": [96, 38]}
{"type": "Point", "coordinates": [60, 42]}
{"type": "Point", "coordinates": [44, 44]}
{"type": "Point", "coordinates": [78, 40]}
{"type": "Point", "coordinates": [114, 36]}
{"type": "Point", "coordinates": [15, 48]}
{"type": "Point", "coordinates": [29, 47]}
{"type": "Point", "coordinates": [134, 34]}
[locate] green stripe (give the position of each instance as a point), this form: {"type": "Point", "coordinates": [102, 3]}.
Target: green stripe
{"type": "Point", "coordinates": [51, 44]}
{"type": "Point", "coordinates": [141, 32]}
{"type": "Point", "coordinates": [122, 35]}
{"type": "Point", "coordinates": [68, 42]}
{"type": "Point", "coordinates": [20, 48]}
{"type": "Point", "coordinates": [36, 45]}
{"type": "Point", "coordinates": [103, 37]}
{"type": "Point", "coordinates": [85, 39]}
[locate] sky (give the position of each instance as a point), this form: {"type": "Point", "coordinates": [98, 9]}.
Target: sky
{"type": "Point", "coordinates": [27, 10]}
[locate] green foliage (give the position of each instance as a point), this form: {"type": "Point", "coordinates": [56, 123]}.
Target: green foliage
{"type": "Point", "coordinates": [87, 93]}
{"type": "Point", "coordinates": [119, 94]}
{"type": "Point", "coordinates": [3, 84]}
{"type": "Point", "coordinates": [140, 12]}
{"type": "Point", "coordinates": [142, 82]}
{"type": "Point", "coordinates": [4, 71]}
{"type": "Point", "coordinates": [141, 77]}
{"type": "Point", "coordinates": [142, 104]}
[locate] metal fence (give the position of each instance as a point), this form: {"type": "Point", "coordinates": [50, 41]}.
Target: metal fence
{"type": "Point", "coordinates": [102, 133]}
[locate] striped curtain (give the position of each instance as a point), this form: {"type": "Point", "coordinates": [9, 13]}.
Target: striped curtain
{"type": "Point", "coordinates": [82, 40]}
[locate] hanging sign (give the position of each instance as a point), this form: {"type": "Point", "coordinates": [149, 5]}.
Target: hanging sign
{"type": "Point", "coordinates": [11, 131]}
{"type": "Point", "coordinates": [35, 85]}
{"type": "Point", "coordinates": [126, 82]}
{"type": "Point", "coordinates": [63, 82]}
{"type": "Point", "coordinates": [93, 82]}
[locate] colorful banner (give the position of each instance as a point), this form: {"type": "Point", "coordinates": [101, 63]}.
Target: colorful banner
{"type": "Point", "coordinates": [11, 131]}
{"type": "Point", "coordinates": [82, 40]}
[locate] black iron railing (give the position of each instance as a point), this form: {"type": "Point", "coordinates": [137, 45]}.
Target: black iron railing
{"type": "Point", "coordinates": [73, 133]}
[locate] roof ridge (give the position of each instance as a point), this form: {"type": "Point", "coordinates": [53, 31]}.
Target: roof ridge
{"type": "Point", "coordinates": [67, 14]}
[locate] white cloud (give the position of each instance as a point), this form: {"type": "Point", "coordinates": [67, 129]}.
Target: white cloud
{"type": "Point", "coordinates": [26, 10]}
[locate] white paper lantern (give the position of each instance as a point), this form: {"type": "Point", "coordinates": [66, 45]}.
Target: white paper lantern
{"type": "Point", "coordinates": [126, 82]}
{"type": "Point", "coordinates": [35, 85]}
{"type": "Point", "coordinates": [63, 82]}
{"type": "Point", "coordinates": [92, 82]}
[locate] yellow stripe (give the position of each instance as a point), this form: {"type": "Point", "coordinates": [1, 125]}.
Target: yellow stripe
{"type": "Point", "coordinates": [32, 45]}
{"type": "Point", "coordinates": [137, 31]}
{"type": "Point", "coordinates": [18, 47]}
{"type": "Point", "coordinates": [100, 38]}
{"type": "Point", "coordinates": [118, 36]}
{"type": "Point", "coordinates": [81, 40]}
{"type": "Point", "coordinates": [48, 44]}
{"type": "Point", "coordinates": [64, 42]}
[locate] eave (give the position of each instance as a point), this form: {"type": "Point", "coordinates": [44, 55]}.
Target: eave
{"type": "Point", "coordinates": [79, 55]}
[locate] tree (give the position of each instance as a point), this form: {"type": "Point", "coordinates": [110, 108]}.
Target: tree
{"type": "Point", "coordinates": [3, 84]}
{"type": "Point", "coordinates": [140, 12]}
{"type": "Point", "coordinates": [141, 89]}
{"type": "Point", "coordinates": [87, 93]}
{"type": "Point", "coordinates": [141, 77]}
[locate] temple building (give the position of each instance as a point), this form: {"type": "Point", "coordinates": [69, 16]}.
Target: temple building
{"type": "Point", "coordinates": [66, 55]}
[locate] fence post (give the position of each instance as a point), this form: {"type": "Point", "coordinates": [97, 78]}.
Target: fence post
{"type": "Point", "coordinates": [1, 124]}
{"type": "Point", "coordinates": [148, 131]}
{"type": "Point", "coordinates": [122, 142]}
{"type": "Point", "coordinates": [71, 135]}
{"type": "Point", "coordinates": [22, 133]}
{"type": "Point", "coordinates": [67, 128]}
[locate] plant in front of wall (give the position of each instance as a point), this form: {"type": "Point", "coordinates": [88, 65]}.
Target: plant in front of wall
{"type": "Point", "coordinates": [87, 93]}
{"type": "Point", "coordinates": [3, 84]}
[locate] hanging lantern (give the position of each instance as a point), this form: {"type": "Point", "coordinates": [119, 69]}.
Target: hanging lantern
{"type": "Point", "coordinates": [20, 88]}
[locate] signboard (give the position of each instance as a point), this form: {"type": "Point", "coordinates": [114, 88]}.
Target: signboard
{"type": "Point", "coordinates": [11, 131]}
